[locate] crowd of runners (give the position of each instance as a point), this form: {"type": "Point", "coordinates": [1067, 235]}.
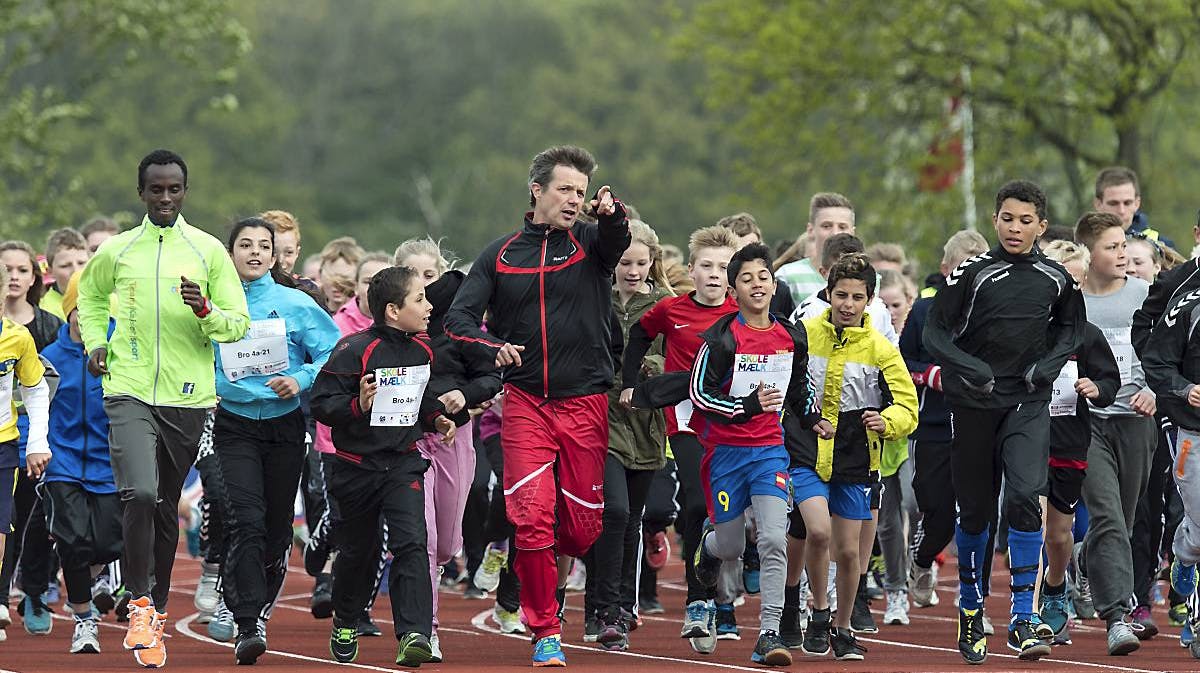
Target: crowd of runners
{"type": "Point", "coordinates": [818, 424]}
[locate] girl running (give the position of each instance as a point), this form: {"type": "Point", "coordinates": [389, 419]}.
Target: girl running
{"type": "Point", "coordinates": [258, 432]}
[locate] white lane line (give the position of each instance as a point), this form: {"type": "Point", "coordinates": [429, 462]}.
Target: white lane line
{"type": "Point", "coordinates": [1087, 664]}
{"type": "Point", "coordinates": [184, 627]}
{"type": "Point", "coordinates": [479, 621]}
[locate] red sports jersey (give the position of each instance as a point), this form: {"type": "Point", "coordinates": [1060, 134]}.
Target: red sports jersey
{"type": "Point", "coordinates": [748, 355]}
{"type": "Point", "coordinates": [680, 320]}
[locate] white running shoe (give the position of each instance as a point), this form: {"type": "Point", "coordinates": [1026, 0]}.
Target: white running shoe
{"type": "Point", "coordinates": [207, 596]}
{"type": "Point", "coordinates": [86, 639]}
{"type": "Point", "coordinates": [922, 584]}
{"type": "Point", "coordinates": [487, 575]}
{"type": "Point", "coordinates": [509, 622]}
{"type": "Point", "coordinates": [897, 608]}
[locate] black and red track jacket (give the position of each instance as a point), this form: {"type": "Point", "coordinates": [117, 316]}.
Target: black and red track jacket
{"type": "Point", "coordinates": [549, 290]}
{"type": "Point", "coordinates": [335, 397]}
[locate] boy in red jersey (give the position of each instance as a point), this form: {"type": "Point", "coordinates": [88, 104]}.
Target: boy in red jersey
{"type": "Point", "coordinates": [750, 366]}
{"type": "Point", "coordinates": [680, 321]}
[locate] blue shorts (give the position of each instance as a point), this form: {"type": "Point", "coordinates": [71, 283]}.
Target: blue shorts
{"type": "Point", "coordinates": [849, 501]}
{"type": "Point", "coordinates": [737, 472]}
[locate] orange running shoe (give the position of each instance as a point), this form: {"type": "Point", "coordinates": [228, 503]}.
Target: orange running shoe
{"type": "Point", "coordinates": [141, 624]}
{"type": "Point", "coordinates": [154, 656]}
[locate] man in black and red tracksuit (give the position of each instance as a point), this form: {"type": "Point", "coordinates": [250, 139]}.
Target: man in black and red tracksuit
{"type": "Point", "coordinates": [548, 291]}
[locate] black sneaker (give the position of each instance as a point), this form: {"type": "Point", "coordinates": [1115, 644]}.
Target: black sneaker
{"type": "Point", "coordinates": [250, 646]}
{"type": "Point", "coordinates": [614, 632]}
{"type": "Point", "coordinates": [845, 645]}
{"type": "Point", "coordinates": [861, 620]}
{"type": "Point", "coordinates": [770, 650]}
{"type": "Point", "coordinates": [789, 629]}
{"type": "Point", "coordinates": [1022, 638]}
{"type": "Point", "coordinates": [591, 628]}
{"type": "Point", "coordinates": [708, 567]}
{"type": "Point", "coordinates": [972, 643]}
{"type": "Point", "coordinates": [816, 636]}
{"type": "Point", "coordinates": [321, 605]}
{"type": "Point", "coordinates": [414, 650]}
{"type": "Point", "coordinates": [343, 643]}
{"type": "Point", "coordinates": [367, 628]}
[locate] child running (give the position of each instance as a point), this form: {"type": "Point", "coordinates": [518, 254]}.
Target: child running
{"type": "Point", "coordinates": [82, 506]}
{"type": "Point", "coordinates": [372, 394]}
{"type": "Point", "coordinates": [19, 363]}
{"type": "Point", "coordinates": [1090, 378]}
{"type": "Point", "coordinates": [1002, 329]}
{"type": "Point", "coordinates": [750, 367]}
{"type": "Point", "coordinates": [862, 396]}
{"type": "Point", "coordinates": [258, 432]}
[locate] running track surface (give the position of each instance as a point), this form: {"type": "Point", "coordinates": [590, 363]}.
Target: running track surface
{"type": "Point", "coordinates": [471, 641]}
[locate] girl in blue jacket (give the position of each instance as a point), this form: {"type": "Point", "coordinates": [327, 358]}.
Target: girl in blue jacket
{"type": "Point", "coordinates": [83, 509]}
{"type": "Point", "coordinates": [258, 433]}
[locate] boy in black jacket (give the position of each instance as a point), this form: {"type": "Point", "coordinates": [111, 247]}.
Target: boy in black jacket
{"type": "Point", "coordinates": [372, 393]}
{"type": "Point", "coordinates": [1002, 329]}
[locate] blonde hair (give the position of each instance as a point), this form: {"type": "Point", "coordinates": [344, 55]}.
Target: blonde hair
{"type": "Point", "coordinates": [283, 222]}
{"type": "Point", "coordinates": [710, 237]}
{"type": "Point", "coordinates": [887, 252]}
{"type": "Point", "coordinates": [889, 278]}
{"type": "Point", "coordinates": [963, 245]}
{"type": "Point", "coordinates": [640, 232]}
{"type": "Point", "coordinates": [741, 224]}
{"type": "Point", "coordinates": [1065, 252]}
{"type": "Point", "coordinates": [345, 249]}
{"type": "Point", "coordinates": [424, 246]}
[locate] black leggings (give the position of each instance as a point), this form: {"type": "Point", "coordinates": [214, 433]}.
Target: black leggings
{"type": "Point", "coordinates": [29, 543]}
{"type": "Point", "coordinates": [1160, 504]}
{"type": "Point", "coordinates": [692, 511]}
{"type": "Point", "coordinates": [498, 528]}
{"type": "Point", "coordinates": [612, 561]}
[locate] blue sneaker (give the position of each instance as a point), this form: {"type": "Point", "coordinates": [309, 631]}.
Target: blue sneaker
{"type": "Point", "coordinates": [1186, 636]}
{"type": "Point", "coordinates": [751, 569]}
{"type": "Point", "coordinates": [36, 616]}
{"type": "Point", "coordinates": [1183, 578]}
{"type": "Point", "coordinates": [695, 621]}
{"type": "Point", "coordinates": [727, 626]}
{"type": "Point", "coordinates": [548, 652]}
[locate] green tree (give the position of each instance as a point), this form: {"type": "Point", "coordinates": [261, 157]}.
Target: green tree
{"type": "Point", "coordinates": [852, 92]}
{"type": "Point", "coordinates": [55, 54]}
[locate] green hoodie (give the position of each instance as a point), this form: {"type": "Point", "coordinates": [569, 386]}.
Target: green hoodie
{"type": "Point", "coordinates": [161, 353]}
{"type": "Point", "coordinates": [637, 438]}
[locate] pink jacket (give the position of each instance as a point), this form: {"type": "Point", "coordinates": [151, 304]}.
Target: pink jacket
{"type": "Point", "coordinates": [349, 319]}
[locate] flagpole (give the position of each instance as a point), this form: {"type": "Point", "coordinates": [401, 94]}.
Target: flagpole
{"type": "Point", "coordinates": [968, 146]}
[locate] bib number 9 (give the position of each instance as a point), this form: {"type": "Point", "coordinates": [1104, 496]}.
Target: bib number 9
{"type": "Point", "coordinates": [723, 500]}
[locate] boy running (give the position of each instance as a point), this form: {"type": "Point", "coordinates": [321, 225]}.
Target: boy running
{"type": "Point", "coordinates": [1002, 329]}
{"type": "Point", "coordinates": [750, 367]}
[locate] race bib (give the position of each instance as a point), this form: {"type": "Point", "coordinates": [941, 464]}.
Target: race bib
{"type": "Point", "coordinates": [6, 399]}
{"type": "Point", "coordinates": [398, 400]}
{"type": "Point", "coordinates": [774, 371]}
{"type": "Point", "coordinates": [262, 352]}
{"type": "Point", "coordinates": [683, 414]}
{"type": "Point", "coordinates": [1064, 400]}
{"type": "Point", "coordinates": [1121, 342]}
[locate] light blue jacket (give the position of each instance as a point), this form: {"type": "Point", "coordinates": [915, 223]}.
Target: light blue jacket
{"type": "Point", "coordinates": [311, 336]}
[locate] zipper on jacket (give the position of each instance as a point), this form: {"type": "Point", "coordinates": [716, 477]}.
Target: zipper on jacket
{"type": "Point", "coordinates": [157, 318]}
{"type": "Point", "coordinates": [542, 304]}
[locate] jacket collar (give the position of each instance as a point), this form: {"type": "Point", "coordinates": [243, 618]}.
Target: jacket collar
{"type": "Point", "coordinates": [544, 229]}
{"type": "Point", "coordinates": [165, 232]}
{"type": "Point", "coordinates": [259, 285]}
{"type": "Point", "coordinates": [848, 334]}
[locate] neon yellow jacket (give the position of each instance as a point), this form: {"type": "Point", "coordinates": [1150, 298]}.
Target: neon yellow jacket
{"type": "Point", "coordinates": [161, 352]}
{"type": "Point", "coordinates": [856, 371]}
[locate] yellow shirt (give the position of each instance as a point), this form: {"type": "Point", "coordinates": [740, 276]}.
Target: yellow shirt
{"type": "Point", "coordinates": [19, 360]}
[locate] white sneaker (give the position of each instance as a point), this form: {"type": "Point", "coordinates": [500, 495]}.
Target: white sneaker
{"type": "Point", "coordinates": [707, 644]}
{"type": "Point", "coordinates": [487, 575]}
{"type": "Point", "coordinates": [435, 647]}
{"type": "Point", "coordinates": [509, 622]}
{"type": "Point", "coordinates": [577, 580]}
{"type": "Point", "coordinates": [86, 639]}
{"type": "Point", "coordinates": [207, 595]}
{"type": "Point", "coordinates": [897, 608]}
{"type": "Point", "coordinates": [5, 618]}
{"type": "Point", "coordinates": [922, 584]}
{"type": "Point", "coordinates": [988, 629]}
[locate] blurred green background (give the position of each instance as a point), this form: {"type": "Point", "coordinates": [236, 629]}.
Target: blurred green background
{"type": "Point", "coordinates": [384, 120]}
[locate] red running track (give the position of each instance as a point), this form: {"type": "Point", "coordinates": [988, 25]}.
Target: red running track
{"type": "Point", "coordinates": [471, 642]}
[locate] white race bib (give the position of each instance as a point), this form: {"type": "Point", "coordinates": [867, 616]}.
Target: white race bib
{"type": "Point", "coordinates": [1120, 341]}
{"type": "Point", "coordinates": [774, 371]}
{"type": "Point", "coordinates": [398, 400]}
{"type": "Point", "coordinates": [1064, 400]}
{"type": "Point", "coordinates": [6, 399]}
{"type": "Point", "coordinates": [683, 414]}
{"type": "Point", "coordinates": [262, 352]}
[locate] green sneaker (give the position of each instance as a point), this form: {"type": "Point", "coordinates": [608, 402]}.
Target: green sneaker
{"type": "Point", "coordinates": [343, 644]}
{"type": "Point", "coordinates": [414, 650]}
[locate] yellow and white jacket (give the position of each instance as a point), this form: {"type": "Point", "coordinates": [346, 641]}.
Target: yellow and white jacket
{"type": "Point", "coordinates": [848, 373]}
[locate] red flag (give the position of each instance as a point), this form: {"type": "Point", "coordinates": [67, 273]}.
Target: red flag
{"type": "Point", "coordinates": [940, 169]}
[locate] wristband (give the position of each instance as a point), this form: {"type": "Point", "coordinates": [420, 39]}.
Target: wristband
{"type": "Point", "coordinates": [205, 308]}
